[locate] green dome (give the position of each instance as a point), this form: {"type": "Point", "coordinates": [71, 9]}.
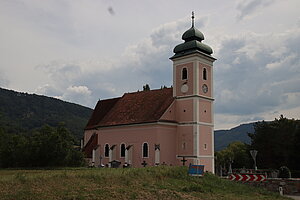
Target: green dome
{"type": "Point", "coordinates": [192, 34]}
{"type": "Point", "coordinates": [191, 46]}
{"type": "Point", "coordinates": [192, 43]}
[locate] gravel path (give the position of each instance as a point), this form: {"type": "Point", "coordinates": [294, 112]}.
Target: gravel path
{"type": "Point", "coordinates": [293, 197]}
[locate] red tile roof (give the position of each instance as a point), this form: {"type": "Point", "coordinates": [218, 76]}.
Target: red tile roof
{"type": "Point", "coordinates": [131, 108]}
{"type": "Point", "coordinates": [101, 109]}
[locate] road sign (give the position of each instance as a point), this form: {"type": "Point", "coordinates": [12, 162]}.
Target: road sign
{"type": "Point", "coordinates": [247, 177]}
{"type": "Point", "coordinates": [196, 170]}
{"type": "Point", "coordinates": [253, 154]}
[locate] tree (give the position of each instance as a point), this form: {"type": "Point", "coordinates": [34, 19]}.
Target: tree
{"type": "Point", "coordinates": [45, 147]}
{"type": "Point", "coordinates": [277, 143]}
{"type": "Point", "coordinates": [54, 147]}
{"type": "Point", "coordinates": [236, 153]}
{"type": "Point", "coordinates": [13, 150]}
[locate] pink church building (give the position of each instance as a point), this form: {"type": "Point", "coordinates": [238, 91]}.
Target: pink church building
{"type": "Point", "coordinates": [169, 126]}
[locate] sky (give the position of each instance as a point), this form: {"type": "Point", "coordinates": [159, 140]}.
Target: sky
{"type": "Point", "coordinates": [85, 50]}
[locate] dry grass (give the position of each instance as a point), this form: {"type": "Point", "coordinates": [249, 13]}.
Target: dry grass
{"type": "Point", "coordinates": [145, 183]}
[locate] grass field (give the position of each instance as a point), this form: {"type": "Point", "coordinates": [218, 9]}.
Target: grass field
{"type": "Point", "coordinates": [143, 183]}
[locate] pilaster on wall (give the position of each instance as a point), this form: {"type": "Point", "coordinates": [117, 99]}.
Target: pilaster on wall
{"type": "Point", "coordinates": [201, 118]}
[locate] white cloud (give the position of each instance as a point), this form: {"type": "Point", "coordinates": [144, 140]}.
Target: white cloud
{"type": "Point", "coordinates": [283, 61]}
{"type": "Point", "coordinates": [247, 8]}
{"type": "Point", "coordinates": [3, 79]}
{"type": "Point", "coordinates": [144, 62]}
{"type": "Point", "coordinates": [81, 90]}
{"type": "Point", "coordinates": [247, 87]}
{"type": "Point", "coordinates": [78, 94]}
{"type": "Point", "coordinates": [84, 53]}
{"type": "Point", "coordinates": [257, 75]}
{"type": "Point", "coordinates": [48, 90]}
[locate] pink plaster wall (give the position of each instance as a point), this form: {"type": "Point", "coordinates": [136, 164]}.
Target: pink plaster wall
{"type": "Point", "coordinates": [184, 110]}
{"type": "Point", "coordinates": [167, 138]}
{"type": "Point", "coordinates": [207, 162]}
{"type": "Point", "coordinates": [164, 135]}
{"type": "Point", "coordinates": [189, 81]}
{"type": "Point", "coordinates": [87, 135]}
{"type": "Point", "coordinates": [170, 113]}
{"type": "Point", "coordinates": [205, 111]}
{"type": "Point", "coordinates": [185, 135]}
{"type": "Point", "coordinates": [205, 137]}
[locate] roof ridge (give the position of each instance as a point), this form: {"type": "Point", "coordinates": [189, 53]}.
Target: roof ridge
{"type": "Point", "coordinates": [158, 89]}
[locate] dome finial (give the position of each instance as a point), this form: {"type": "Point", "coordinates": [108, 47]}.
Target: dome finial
{"type": "Point", "coordinates": [193, 18]}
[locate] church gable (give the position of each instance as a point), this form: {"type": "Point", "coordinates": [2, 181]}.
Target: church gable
{"type": "Point", "coordinates": [170, 113]}
{"type": "Point", "coordinates": [90, 145]}
{"type": "Point", "coordinates": [101, 109]}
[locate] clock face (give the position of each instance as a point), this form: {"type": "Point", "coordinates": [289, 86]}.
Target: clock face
{"type": "Point", "coordinates": [184, 88]}
{"type": "Point", "coordinates": [204, 88]}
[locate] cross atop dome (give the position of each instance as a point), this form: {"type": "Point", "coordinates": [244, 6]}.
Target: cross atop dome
{"type": "Point", "coordinates": [193, 18]}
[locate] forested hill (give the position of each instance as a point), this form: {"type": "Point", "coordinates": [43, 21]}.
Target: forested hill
{"type": "Point", "coordinates": [22, 112]}
{"type": "Point", "coordinates": [240, 133]}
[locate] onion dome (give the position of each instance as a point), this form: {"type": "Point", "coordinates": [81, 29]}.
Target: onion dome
{"type": "Point", "coordinates": [192, 43]}
{"type": "Point", "coordinates": [193, 34]}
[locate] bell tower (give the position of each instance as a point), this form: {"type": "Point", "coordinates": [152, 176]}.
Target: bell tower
{"type": "Point", "coordinates": [193, 91]}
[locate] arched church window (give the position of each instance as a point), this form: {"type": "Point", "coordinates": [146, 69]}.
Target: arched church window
{"type": "Point", "coordinates": [145, 150]}
{"type": "Point", "coordinates": [204, 74]}
{"type": "Point", "coordinates": [123, 148]}
{"type": "Point", "coordinates": [106, 150]}
{"type": "Point", "coordinates": [184, 74]}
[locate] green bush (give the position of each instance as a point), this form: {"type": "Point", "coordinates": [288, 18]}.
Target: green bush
{"type": "Point", "coordinates": [45, 147]}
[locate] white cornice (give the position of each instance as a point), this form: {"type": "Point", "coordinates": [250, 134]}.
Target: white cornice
{"type": "Point", "coordinates": [195, 57]}
{"type": "Point", "coordinates": [136, 125]}
{"type": "Point", "coordinates": [195, 96]}
{"type": "Point", "coordinates": [195, 123]}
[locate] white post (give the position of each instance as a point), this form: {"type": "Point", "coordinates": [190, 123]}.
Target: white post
{"type": "Point", "coordinates": [110, 155]}
{"type": "Point", "coordinates": [126, 156]}
{"type": "Point", "coordinates": [130, 156]}
{"type": "Point", "coordinates": [157, 156]}
{"type": "Point", "coordinates": [81, 144]}
{"type": "Point", "coordinates": [93, 157]}
{"type": "Point", "coordinates": [280, 190]}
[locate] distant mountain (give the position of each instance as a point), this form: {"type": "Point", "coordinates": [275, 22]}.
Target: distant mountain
{"type": "Point", "coordinates": [239, 133]}
{"type": "Point", "coordinates": [22, 112]}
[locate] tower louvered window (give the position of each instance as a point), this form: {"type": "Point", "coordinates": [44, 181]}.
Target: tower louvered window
{"type": "Point", "coordinates": [184, 74]}
{"type": "Point", "coordinates": [204, 74]}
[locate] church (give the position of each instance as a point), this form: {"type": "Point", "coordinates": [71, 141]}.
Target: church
{"type": "Point", "coordinates": [169, 126]}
